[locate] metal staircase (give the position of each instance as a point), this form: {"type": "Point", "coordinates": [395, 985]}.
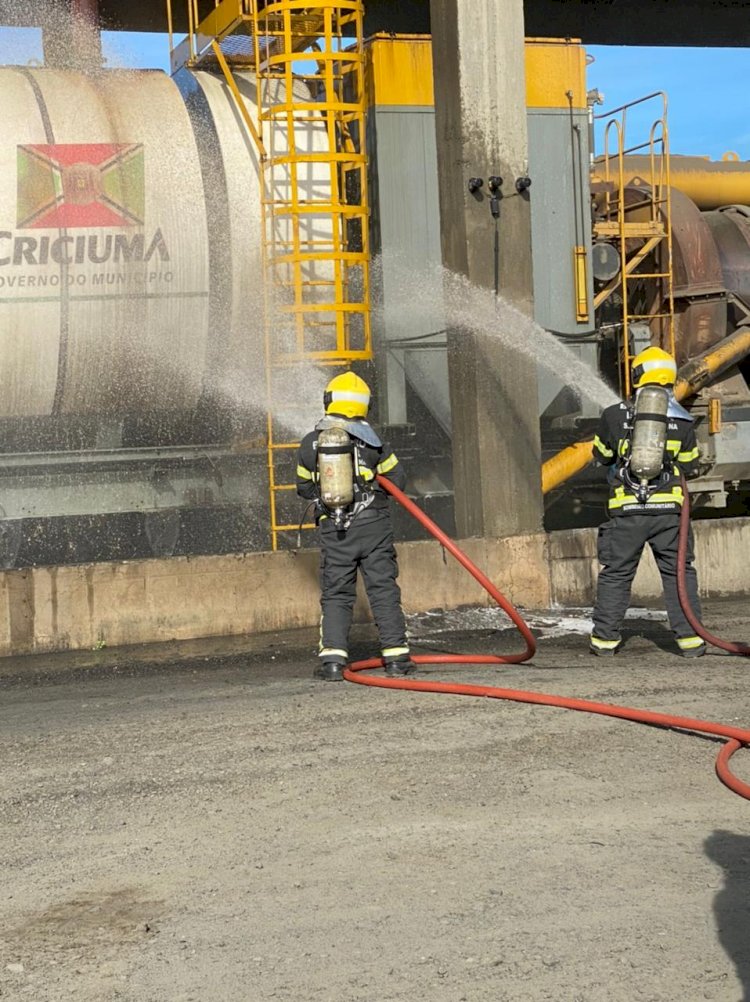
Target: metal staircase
{"type": "Point", "coordinates": [309, 128]}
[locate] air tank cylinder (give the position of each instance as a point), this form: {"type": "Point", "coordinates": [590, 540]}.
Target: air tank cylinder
{"type": "Point", "coordinates": [649, 433]}
{"type": "Point", "coordinates": [336, 469]}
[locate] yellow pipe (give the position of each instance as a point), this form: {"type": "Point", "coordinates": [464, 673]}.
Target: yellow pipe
{"type": "Point", "coordinates": [566, 464]}
{"type": "Point", "coordinates": [692, 377]}
{"type": "Point", "coordinates": [709, 183]}
{"type": "Point", "coordinates": [698, 372]}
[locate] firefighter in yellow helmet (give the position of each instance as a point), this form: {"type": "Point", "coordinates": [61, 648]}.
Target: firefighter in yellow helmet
{"type": "Point", "coordinates": [337, 464]}
{"type": "Point", "coordinates": [646, 442]}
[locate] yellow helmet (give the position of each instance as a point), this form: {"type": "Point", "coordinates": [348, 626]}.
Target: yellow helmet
{"type": "Point", "coordinates": [653, 366]}
{"type": "Point", "coordinates": [347, 394]}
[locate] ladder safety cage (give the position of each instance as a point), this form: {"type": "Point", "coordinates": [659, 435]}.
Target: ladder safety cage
{"type": "Point", "coordinates": [309, 128]}
{"type": "Point", "coordinates": [641, 226]}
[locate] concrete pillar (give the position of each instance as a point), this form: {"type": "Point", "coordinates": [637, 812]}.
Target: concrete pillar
{"type": "Point", "coordinates": [480, 109]}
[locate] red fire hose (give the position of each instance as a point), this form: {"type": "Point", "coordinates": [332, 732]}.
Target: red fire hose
{"type": "Point", "coordinates": [731, 647]}
{"type": "Point", "coordinates": [735, 737]}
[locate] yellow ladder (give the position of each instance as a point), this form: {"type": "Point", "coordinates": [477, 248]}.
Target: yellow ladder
{"type": "Point", "coordinates": [640, 225]}
{"type": "Point", "coordinates": [309, 127]}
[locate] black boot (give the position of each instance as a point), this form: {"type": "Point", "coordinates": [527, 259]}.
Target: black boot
{"type": "Point", "coordinates": [402, 665]}
{"type": "Point", "coordinates": [330, 671]}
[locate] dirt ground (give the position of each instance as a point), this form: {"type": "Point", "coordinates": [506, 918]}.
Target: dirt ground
{"type": "Point", "coordinates": [207, 823]}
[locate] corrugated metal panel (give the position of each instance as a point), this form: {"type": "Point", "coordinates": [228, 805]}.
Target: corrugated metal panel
{"type": "Point", "coordinates": [406, 231]}
{"type": "Point", "coordinates": [560, 216]}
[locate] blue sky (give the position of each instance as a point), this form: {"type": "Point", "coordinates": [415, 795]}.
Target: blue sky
{"type": "Point", "coordinates": [136, 50]}
{"type": "Point", "coordinates": [709, 98]}
{"type": "Point", "coordinates": [707, 89]}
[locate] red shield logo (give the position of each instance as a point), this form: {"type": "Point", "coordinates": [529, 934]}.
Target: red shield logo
{"type": "Point", "coordinates": [80, 185]}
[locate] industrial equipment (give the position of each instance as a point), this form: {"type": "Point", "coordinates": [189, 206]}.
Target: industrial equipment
{"type": "Point", "coordinates": [180, 263]}
{"type": "Point", "coordinates": [183, 261]}
{"type": "Point", "coordinates": [631, 246]}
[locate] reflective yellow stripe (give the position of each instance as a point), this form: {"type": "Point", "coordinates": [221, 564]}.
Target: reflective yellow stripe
{"type": "Point", "coordinates": [688, 457]}
{"type": "Point", "coordinates": [366, 473]}
{"type": "Point", "coordinates": [689, 643]}
{"type": "Point", "coordinates": [303, 473]}
{"type": "Point", "coordinates": [623, 447]}
{"type": "Point", "coordinates": [327, 652]}
{"type": "Point", "coordinates": [675, 496]}
{"type": "Point", "coordinates": [386, 465]}
{"type": "Point", "coordinates": [673, 445]}
{"type": "Point", "coordinates": [604, 645]}
{"type": "Point", "coordinates": [394, 652]}
{"type": "Point", "coordinates": [601, 447]}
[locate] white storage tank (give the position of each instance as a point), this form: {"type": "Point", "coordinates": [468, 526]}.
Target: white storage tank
{"type": "Point", "coordinates": [103, 245]}
{"type": "Point", "coordinates": [130, 241]}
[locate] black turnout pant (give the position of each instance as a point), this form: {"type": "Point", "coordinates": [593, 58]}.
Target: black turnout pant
{"type": "Point", "coordinates": [367, 546]}
{"type": "Point", "coordinates": [621, 543]}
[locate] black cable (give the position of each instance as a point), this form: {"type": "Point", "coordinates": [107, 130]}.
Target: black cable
{"type": "Point", "coordinates": [310, 505]}
{"type": "Point", "coordinates": [418, 337]}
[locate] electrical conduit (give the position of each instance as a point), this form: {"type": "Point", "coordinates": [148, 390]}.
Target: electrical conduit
{"type": "Point", "coordinates": [734, 736]}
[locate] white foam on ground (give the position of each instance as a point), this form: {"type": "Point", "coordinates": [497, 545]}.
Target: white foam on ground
{"type": "Point", "coordinates": [556, 623]}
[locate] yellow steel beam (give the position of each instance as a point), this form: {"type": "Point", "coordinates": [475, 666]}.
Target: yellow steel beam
{"type": "Point", "coordinates": [555, 73]}
{"type": "Point", "coordinates": [399, 71]}
{"type": "Point", "coordinates": [631, 264]}
{"type": "Point", "coordinates": [222, 21]}
{"type": "Point", "coordinates": [630, 230]}
{"type": "Point", "coordinates": [241, 106]}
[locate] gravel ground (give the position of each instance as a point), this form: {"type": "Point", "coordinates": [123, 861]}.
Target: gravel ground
{"type": "Point", "coordinates": [206, 822]}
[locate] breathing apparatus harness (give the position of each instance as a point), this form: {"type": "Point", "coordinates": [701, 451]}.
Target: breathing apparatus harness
{"type": "Point", "coordinates": [343, 490]}
{"type": "Point", "coordinates": [643, 466]}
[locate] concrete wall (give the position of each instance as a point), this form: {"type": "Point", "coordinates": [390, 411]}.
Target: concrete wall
{"type": "Point", "coordinates": [81, 607]}
{"type": "Point", "coordinates": [721, 558]}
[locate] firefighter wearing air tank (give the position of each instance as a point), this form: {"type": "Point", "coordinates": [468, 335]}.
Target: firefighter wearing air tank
{"type": "Point", "coordinates": [337, 465]}
{"type": "Point", "coordinates": [646, 443]}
